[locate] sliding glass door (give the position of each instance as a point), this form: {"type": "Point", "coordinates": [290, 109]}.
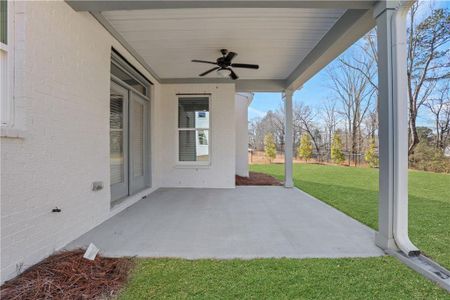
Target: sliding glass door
{"type": "Point", "coordinates": [129, 142]}
{"type": "Point", "coordinates": [118, 134]}
{"type": "Point", "coordinates": [129, 130]}
{"type": "Point", "coordinates": [138, 143]}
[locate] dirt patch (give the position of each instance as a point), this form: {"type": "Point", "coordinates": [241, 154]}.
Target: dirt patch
{"type": "Point", "coordinates": [257, 179]}
{"type": "Point", "coordinates": [67, 275]}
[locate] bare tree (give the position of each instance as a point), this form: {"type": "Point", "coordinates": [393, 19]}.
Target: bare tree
{"type": "Point", "coordinates": [428, 61]}
{"type": "Point", "coordinates": [252, 133]}
{"type": "Point", "coordinates": [366, 64]}
{"type": "Point", "coordinates": [355, 93]}
{"type": "Point", "coordinates": [304, 118]}
{"type": "Point", "coordinates": [278, 121]}
{"type": "Point", "coordinates": [439, 106]}
{"type": "Point", "coordinates": [371, 123]}
{"type": "Point", "coordinates": [330, 120]}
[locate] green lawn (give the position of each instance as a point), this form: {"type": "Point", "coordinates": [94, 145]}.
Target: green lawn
{"type": "Point", "coordinates": [364, 278]}
{"type": "Point", "coordinates": [353, 191]}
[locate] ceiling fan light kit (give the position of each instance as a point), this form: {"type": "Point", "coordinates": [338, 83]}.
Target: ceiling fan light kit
{"type": "Point", "coordinates": [224, 65]}
{"type": "Point", "coordinates": [225, 73]}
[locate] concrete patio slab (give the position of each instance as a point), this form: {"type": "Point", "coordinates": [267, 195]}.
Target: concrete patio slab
{"type": "Point", "coordinates": [246, 222]}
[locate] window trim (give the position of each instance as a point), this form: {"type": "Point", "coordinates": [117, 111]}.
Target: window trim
{"type": "Point", "coordinates": [122, 63]}
{"type": "Point", "coordinates": [193, 164]}
{"type": "Point", "coordinates": [8, 107]}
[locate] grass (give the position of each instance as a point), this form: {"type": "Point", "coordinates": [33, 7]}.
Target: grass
{"type": "Point", "coordinates": [373, 278]}
{"type": "Point", "coordinates": [355, 192]}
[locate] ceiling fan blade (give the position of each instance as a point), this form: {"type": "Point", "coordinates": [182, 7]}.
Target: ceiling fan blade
{"type": "Point", "coordinates": [246, 66]}
{"type": "Point", "coordinates": [230, 56]}
{"type": "Point", "coordinates": [209, 71]}
{"type": "Point", "coordinates": [204, 61]}
{"type": "Point", "coordinates": [233, 75]}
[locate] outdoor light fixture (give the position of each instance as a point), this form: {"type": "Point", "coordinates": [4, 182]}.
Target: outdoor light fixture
{"type": "Point", "coordinates": [225, 73]}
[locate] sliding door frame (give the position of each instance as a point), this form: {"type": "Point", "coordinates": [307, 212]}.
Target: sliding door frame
{"type": "Point", "coordinates": [138, 183]}
{"type": "Point", "coordinates": [134, 184]}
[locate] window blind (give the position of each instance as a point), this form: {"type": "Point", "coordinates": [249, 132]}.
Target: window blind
{"type": "Point", "coordinates": [116, 138]}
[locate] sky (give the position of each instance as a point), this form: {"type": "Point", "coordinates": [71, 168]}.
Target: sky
{"type": "Point", "coordinates": [314, 93]}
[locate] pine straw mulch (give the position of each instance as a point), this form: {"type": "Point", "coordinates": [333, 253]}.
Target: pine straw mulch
{"type": "Point", "coordinates": [67, 275]}
{"type": "Point", "coordinates": [257, 179]}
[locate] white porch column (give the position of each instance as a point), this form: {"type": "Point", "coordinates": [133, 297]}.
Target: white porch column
{"type": "Point", "coordinates": [393, 128]}
{"type": "Point", "coordinates": [288, 139]}
{"type": "Point", "coordinates": [242, 102]}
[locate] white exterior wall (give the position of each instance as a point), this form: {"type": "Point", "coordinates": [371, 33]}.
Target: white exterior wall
{"type": "Point", "coordinates": [243, 100]}
{"type": "Point", "coordinates": [62, 75]}
{"type": "Point", "coordinates": [62, 104]}
{"type": "Point", "coordinates": [220, 172]}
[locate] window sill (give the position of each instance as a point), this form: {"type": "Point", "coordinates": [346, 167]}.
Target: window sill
{"type": "Point", "coordinates": [12, 133]}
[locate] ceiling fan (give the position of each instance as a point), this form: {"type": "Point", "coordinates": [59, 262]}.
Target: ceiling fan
{"type": "Point", "coordinates": [225, 65]}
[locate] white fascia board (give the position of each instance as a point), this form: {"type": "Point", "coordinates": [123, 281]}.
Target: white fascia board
{"type": "Point", "coordinates": [347, 30]}
{"type": "Point", "coordinates": [260, 85]}
{"type": "Point", "coordinates": [242, 85]}
{"type": "Point", "coordinates": [99, 6]}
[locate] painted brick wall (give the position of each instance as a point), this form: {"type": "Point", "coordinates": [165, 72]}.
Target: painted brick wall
{"type": "Point", "coordinates": [220, 173]}
{"type": "Point", "coordinates": [62, 99]}
{"type": "Point", "coordinates": [62, 75]}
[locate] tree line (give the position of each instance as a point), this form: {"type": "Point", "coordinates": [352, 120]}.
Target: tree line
{"type": "Point", "coordinates": [345, 127]}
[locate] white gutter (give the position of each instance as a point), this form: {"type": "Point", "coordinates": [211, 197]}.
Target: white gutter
{"type": "Point", "coordinates": [399, 52]}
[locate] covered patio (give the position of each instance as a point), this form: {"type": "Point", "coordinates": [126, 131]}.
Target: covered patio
{"type": "Point", "coordinates": [290, 41]}
{"type": "Point", "coordinates": [141, 186]}
{"type": "Point", "coordinates": [246, 222]}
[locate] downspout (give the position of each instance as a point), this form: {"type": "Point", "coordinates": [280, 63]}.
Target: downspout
{"type": "Point", "coordinates": [400, 209]}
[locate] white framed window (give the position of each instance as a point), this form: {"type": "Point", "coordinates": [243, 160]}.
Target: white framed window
{"type": "Point", "coordinates": [6, 62]}
{"type": "Point", "coordinates": [194, 132]}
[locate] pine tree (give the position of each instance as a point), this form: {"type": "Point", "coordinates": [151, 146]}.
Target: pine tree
{"type": "Point", "coordinates": [371, 156]}
{"type": "Point", "coordinates": [336, 150]}
{"type": "Point", "coordinates": [270, 150]}
{"type": "Point", "coordinates": [305, 148]}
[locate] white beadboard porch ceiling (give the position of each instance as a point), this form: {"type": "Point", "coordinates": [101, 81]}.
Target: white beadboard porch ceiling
{"type": "Point", "coordinates": [276, 39]}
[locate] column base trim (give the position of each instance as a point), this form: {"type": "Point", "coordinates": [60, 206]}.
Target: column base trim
{"type": "Point", "coordinates": [288, 184]}
{"type": "Point", "coordinates": [385, 243]}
